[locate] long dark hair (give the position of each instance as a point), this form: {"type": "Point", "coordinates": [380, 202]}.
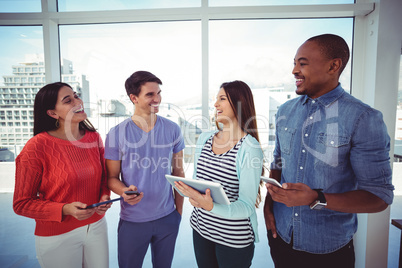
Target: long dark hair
{"type": "Point", "coordinates": [45, 100]}
{"type": "Point", "coordinates": [242, 102]}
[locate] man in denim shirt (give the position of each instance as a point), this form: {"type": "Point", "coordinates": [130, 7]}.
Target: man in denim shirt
{"type": "Point", "coordinates": [332, 158]}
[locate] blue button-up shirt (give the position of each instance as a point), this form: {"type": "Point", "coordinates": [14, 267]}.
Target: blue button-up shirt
{"type": "Point", "coordinates": [335, 143]}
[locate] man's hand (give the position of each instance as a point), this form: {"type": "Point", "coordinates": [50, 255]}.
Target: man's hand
{"type": "Point", "coordinates": [269, 215]}
{"type": "Point", "coordinates": [132, 199]}
{"type": "Point", "coordinates": [292, 194]}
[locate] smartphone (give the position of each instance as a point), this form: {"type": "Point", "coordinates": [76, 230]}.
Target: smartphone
{"type": "Point", "coordinates": [104, 202]}
{"type": "Point", "coordinates": [271, 181]}
{"type": "Point", "coordinates": [132, 193]}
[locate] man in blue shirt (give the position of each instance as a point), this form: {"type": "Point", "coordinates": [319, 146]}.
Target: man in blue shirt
{"type": "Point", "coordinates": [332, 158]}
{"type": "Point", "coordinates": [139, 152]}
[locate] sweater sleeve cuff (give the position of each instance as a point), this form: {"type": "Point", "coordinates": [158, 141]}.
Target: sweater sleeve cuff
{"type": "Point", "coordinates": [220, 209]}
{"type": "Point", "coordinates": [60, 217]}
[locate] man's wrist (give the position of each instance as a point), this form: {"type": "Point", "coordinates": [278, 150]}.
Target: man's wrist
{"type": "Point", "coordinates": [320, 202]}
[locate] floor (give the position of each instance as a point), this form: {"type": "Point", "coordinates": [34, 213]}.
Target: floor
{"type": "Point", "coordinates": [17, 243]}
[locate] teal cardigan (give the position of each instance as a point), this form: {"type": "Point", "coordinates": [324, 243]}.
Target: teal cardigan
{"type": "Point", "coordinates": [249, 162]}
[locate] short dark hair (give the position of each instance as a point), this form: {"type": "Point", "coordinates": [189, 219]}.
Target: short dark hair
{"type": "Point", "coordinates": [333, 47]}
{"type": "Point", "coordinates": [136, 80]}
{"type": "Point", "coordinates": [45, 100]}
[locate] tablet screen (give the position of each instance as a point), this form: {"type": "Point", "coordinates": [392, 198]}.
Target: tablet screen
{"type": "Point", "coordinates": [217, 193]}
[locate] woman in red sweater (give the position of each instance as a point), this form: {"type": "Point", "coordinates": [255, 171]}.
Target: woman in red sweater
{"type": "Point", "coordinates": [59, 172]}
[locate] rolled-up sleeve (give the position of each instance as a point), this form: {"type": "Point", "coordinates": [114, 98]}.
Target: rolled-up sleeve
{"type": "Point", "coordinates": [369, 156]}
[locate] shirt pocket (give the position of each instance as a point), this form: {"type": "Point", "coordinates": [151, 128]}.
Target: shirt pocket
{"type": "Point", "coordinates": [286, 138]}
{"type": "Point", "coordinates": [333, 140]}
{"type": "Point", "coordinates": [334, 148]}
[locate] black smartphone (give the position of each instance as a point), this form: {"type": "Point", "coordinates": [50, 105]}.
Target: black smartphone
{"type": "Point", "coordinates": [132, 193]}
{"type": "Point", "coordinates": [102, 203]}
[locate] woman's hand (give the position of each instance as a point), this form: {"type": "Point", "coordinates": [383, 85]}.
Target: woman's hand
{"type": "Point", "coordinates": [78, 211]}
{"type": "Point", "coordinates": [132, 199]}
{"type": "Point", "coordinates": [103, 208]}
{"type": "Point", "coordinates": [196, 199]}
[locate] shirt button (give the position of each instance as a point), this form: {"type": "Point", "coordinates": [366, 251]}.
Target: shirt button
{"type": "Point", "coordinates": [306, 135]}
{"type": "Point", "coordinates": [313, 101]}
{"type": "Point", "coordinates": [296, 214]}
{"type": "Point", "coordinates": [303, 151]}
{"type": "Point", "coordinates": [332, 142]}
{"type": "Point", "coordinates": [311, 117]}
{"type": "Point", "coordinates": [301, 167]}
{"type": "Point", "coordinates": [286, 128]}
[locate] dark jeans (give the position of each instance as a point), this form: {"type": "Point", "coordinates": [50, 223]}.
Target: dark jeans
{"type": "Point", "coordinates": [134, 239]}
{"type": "Point", "coordinates": [284, 256]}
{"type": "Point", "coordinates": [213, 255]}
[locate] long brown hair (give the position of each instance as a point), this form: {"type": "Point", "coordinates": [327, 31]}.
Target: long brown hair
{"type": "Point", "coordinates": [46, 99]}
{"type": "Point", "coordinates": [242, 102]}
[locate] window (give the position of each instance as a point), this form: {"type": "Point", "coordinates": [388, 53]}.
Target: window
{"type": "Point", "coordinates": [261, 53]}
{"type": "Point", "coordinates": [397, 167]}
{"type": "Point", "coordinates": [22, 46]}
{"type": "Point", "coordinates": [20, 6]}
{"type": "Point", "coordinates": [276, 2]}
{"type": "Point", "coordinates": [172, 52]}
{"type": "Point", "coordinates": [93, 5]}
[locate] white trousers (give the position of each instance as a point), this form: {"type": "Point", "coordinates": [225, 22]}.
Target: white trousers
{"type": "Point", "coordinates": [86, 247]}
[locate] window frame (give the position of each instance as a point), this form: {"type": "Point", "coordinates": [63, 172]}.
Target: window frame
{"type": "Point", "coordinates": [50, 19]}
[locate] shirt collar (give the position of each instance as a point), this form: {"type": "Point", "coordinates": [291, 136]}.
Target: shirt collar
{"type": "Point", "coordinates": [327, 98]}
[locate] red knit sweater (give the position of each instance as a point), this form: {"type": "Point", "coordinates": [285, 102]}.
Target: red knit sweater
{"type": "Point", "coordinates": [51, 172]}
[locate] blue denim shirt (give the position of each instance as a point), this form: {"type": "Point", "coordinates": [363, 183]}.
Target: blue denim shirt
{"type": "Point", "coordinates": [335, 143]}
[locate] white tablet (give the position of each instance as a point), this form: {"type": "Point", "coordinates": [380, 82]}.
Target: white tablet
{"type": "Point", "coordinates": [217, 193]}
{"type": "Point", "coordinates": [271, 181]}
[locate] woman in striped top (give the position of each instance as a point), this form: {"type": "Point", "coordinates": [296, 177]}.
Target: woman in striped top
{"type": "Point", "coordinates": [224, 235]}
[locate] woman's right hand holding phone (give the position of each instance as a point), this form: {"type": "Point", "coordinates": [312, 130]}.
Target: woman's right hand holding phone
{"type": "Point", "coordinates": [78, 211]}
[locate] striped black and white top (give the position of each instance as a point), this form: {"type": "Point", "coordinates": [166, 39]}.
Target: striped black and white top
{"type": "Point", "coordinates": [236, 233]}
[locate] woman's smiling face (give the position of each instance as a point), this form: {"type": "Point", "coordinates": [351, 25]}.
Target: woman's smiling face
{"type": "Point", "coordinates": [69, 107]}
{"type": "Point", "coordinates": [224, 111]}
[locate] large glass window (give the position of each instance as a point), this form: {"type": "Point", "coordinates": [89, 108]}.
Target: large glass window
{"type": "Point", "coordinates": [96, 5]}
{"type": "Point", "coordinates": [396, 208]}
{"type": "Point", "coordinates": [20, 5]}
{"type": "Point", "coordinates": [276, 2]}
{"type": "Point", "coordinates": [261, 53]}
{"type": "Point", "coordinates": [22, 46]}
{"type": "Point", "coordinates": [397, 167]}
{"type": "Point", "coordinates": [104, 57]}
